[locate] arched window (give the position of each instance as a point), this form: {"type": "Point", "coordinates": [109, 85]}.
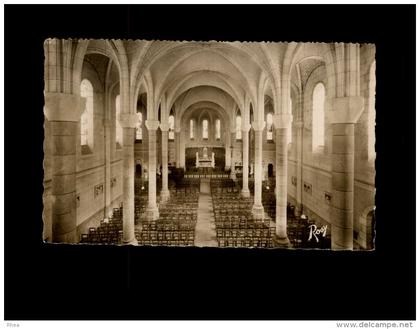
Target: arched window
{"type": "Point", "coordinates": [217, 129]}
{"type": "Point", "coordinates": [371, 112]}
{"type": "Point", "coordinates": [118, 128]}
{"type": "Point", "coordinates": [318, 110]}
{"type": "Point", "coordinates": [238, 127]}
{"type": "Point", "coordinates": [86, 120]}
{"type": "Point", "coordinates": [139, 129]}
{"type": "Point", "coordinates": [269, 126]}
{"type": "Point", "coordinates": [171, 122]}
{"type": "Point", "coordinates": [205, 129]}
{"type": "Point", "coordinates": [191, 129]}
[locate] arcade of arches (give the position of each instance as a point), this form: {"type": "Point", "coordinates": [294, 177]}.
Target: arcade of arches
{"type": "Point", "coordinates": [198, 135]}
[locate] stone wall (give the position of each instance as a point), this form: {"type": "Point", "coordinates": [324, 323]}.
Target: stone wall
{"type": "Point", "coordinates": [90, 165]}
{"type": "Point", "coordinates": [316, 168]}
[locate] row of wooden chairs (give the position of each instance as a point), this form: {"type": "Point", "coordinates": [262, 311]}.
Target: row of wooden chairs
{"type": "Point", "coordinates": [231, 211]}
{"type": "Point", "coordinates": [100, 239]}
{"type": "Point", "coordinates": [108, 232]}
{"type": "Point", "coordinates": [244, 233]}
{"type": "Point", "coordinates": [174, 243]}
{"type": "Point", "coordinates": [166, 242]}
{"type": "Point", "coordinates": [234, 225]}
{"type": "Point", "coordinates": [167, 235]}
{"type": "Point", "coordinates": [175, 226]}
{"type": "Point", "coordinates": [177, 217]}
{"type": "Point", "coordinates": [223, 197]}
{"type": "Point", "coordinates": [246, 243]}
{"type": "Point", "coordinates": [228, 189]}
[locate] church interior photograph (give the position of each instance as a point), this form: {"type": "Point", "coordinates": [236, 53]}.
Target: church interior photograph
{"type": "Point", "coordinates": [209, 144]}
{"type": "Point", "coordinates": [249, 163]}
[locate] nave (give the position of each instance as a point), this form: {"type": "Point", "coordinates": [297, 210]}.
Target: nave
{"type": "Point", "coordinates": [284, 134]}
{"type": "Point", "coordinates": [205, 212]}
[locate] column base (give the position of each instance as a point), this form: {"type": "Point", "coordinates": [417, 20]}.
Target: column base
{"type": "Point", "coordinates": [246, 193]}
{"type": "Point", "coordinates": [281, 242]}
{"type": "Point", "coordinates": [338, 247]}
{"type": "Point", "coordinates": [70, 237]}
{"type": "Point", "coordinates": [341, 238]}
{"type": "Point", "coordinates": [132, 242]}
{"type": "Point", "coordinates": [335, 246]}
{"type": "Point", "coordinates": [164, 195]}
{"type": "Point", "coordinates": [152, 213]}
{"type": "Point", "coordinates": [258, 211]}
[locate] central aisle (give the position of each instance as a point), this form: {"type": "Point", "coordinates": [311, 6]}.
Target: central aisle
{"type": "Point", "coordinates": [205, 230]}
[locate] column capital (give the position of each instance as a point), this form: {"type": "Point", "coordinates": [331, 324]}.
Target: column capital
{"type": "Point", "coordinates": [282, 120]}
{"type": "Point", "coordinates": [258, 125]}
{"type": "Point", "coordinates": [152, 124]}
{"type": "Point", "coordinates": [164, 126]}
{"type": "Point", "coordinates": [246, 127]}
{"type": "Point", "coordinates": [128, 120]}
{"type": "Point", "coordinates": [346, 109]}
{"type": "Point", "coordinates": [63, 107]}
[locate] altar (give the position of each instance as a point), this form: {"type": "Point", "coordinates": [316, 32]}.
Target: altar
{"type": "Point", "coordinates": [204, 161]}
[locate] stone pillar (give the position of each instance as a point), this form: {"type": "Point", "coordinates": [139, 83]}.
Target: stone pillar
{"type": "Point", "coordinates": [107, 155]}
{"type": "Point", "coordinates": [245, 160]}
{"type": "Point", "coordinates": [128, 124]}
{"type": "Point", "coordinates": [152, 212]}
{"type": "Point", "coordinates": [177, 147]}
{"type": "Point", "coordinates": [232, 161]}
{"type": "Point", "coordinates": [281, 124]}
{"type": "Point", "coordinates": [63, 111]}
{"type": "Point", "coordinates": [299, 160]}
{"type": "Point", "coordinates": [228, 152]}
{"type": "Point", "coordinates": [257, 208]}
{"type": "Point", "coordinates": [182, 150]}
{"type": "Point", "coordinates": [164, 194]}
{"type": "Point", "coordinates": [345, 113]}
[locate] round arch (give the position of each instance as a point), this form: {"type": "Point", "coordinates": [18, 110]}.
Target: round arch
{"type": "Point", "coordinates": [367, 223]}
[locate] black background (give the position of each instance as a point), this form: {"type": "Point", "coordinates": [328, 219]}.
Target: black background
{"type": "Point", "coordinates": [76, 282]}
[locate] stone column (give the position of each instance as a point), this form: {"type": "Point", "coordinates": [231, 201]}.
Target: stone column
{"type": "Point", "coordinates": [152, 212]}
{"type": "Point", "coordinates": [281, 124]}
{"type": "Point", "coordinates": [107, 155]}
{"type": "Point", "coordinates": [232, 161]}
{"type": "Point", "coordinates": [128, 125]}
{"type": "Point", "coordinates": [245, 160]}
{"type": "Point", "coordinates": [345, 113]}
{"type": "Point", "coordinates": [182, 150]}
{"type": "Point", "coordinates": [257, 208]}
{"type": "Point", "coordinates": [177, 147]}
{"type": "Point", "coordinates": [164, 194]}
{"type": "Point", "coordinates": [228, 152]}
{"type": "Point", "coordinates": [63, 111]}
{"type": "Point", "coordinates": [299, 160]}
